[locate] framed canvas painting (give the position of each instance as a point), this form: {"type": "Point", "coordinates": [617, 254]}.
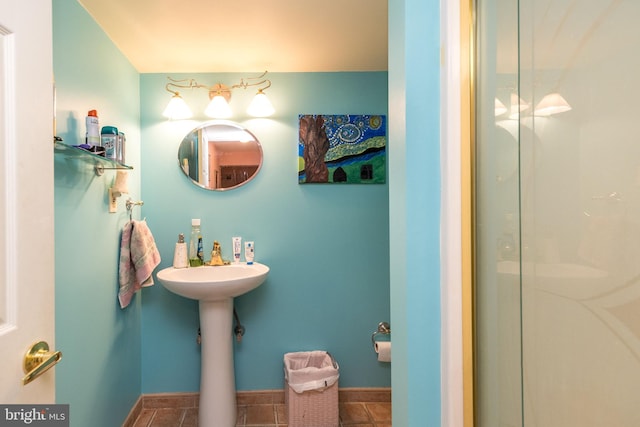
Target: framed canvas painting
{"type": "Point", "coordinates": [342, 149]}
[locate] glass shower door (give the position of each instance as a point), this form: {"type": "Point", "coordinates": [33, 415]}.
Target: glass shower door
{"type": "Point", "coordinates": [557, 213]}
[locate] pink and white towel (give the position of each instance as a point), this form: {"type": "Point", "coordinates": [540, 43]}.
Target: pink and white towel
{"type": "Point", "coordinates": [138, 257]}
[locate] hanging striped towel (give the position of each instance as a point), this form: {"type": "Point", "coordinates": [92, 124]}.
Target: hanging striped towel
{"type": "Point", "coordinates": [138, 257]}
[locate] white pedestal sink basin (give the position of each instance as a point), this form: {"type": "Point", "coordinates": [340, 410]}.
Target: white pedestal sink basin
{"type": "Point", "coordinates": [207, 283]}
{"type": "Point", "coordinates": [215, 288]}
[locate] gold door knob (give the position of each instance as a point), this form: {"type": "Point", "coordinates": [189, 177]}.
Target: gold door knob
{"type": "Point", "coordinates": [38, 360]}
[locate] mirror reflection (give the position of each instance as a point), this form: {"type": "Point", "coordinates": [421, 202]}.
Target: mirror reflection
{"type": "Point", "coordinates": [220, 155]}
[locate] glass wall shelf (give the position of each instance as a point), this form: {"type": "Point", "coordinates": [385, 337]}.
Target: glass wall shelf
{"type": "Point", "coordinates": [99, 163]}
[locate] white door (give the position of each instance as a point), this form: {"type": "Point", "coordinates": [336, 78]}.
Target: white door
{"type": "Point", "coordinates": [26, 195]}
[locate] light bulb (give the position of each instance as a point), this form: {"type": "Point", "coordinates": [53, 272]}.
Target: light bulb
{"type": "Point", "coordinates": [177, 109]}
{"type": "Point", "coordinates": [260, 106]}
{"type": "Point", "coordinates": [218, 108]}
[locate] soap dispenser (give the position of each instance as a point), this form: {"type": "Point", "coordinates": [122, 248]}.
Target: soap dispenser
{"type": "Point", "coordinates": [180, 259]}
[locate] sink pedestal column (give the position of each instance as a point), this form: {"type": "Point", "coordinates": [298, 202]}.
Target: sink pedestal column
{"type": "Point", "coordinates": [217, 379]}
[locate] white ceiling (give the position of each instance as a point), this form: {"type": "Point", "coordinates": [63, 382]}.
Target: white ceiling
{"type": "Point", "coordinates": [246, 35]}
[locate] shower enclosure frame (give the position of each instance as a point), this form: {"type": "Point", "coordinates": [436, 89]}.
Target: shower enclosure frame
{"type": "Point", "coordinates": [553, 248]}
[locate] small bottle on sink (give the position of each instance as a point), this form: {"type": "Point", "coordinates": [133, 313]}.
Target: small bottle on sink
{"type": "Point", "coordinates": [180, 259]}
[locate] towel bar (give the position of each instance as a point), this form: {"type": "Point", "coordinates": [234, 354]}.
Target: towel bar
{"type": "Point", "coordinates": [130, 204]}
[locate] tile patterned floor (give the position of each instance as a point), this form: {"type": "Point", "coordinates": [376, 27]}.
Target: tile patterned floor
{"type": "Point", "coordinates": [254, 412]}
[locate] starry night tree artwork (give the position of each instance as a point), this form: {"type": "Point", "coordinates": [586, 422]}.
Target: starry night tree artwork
{"type": "Point", "coordinates": [342, 149]}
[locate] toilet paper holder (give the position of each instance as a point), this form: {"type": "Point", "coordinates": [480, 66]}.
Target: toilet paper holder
{"type": "Point", "coordinates": [383, 329]}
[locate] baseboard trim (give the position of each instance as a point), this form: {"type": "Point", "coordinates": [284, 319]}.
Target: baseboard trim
{"type": "Point", "coordinates": [364, 394]}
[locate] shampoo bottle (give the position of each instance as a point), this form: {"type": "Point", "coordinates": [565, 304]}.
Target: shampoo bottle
{"type": "Point", "coordinates": [195, 244]}
{"type": "Point", "coordinates": [180, 259]}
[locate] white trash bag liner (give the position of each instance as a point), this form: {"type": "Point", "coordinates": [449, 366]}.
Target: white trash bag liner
{"type": "Point", "coordinates": [310, 370]}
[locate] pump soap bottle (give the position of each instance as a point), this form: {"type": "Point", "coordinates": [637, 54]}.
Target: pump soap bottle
{"type": "Point", "coordinates": [180, 259]}
{"type": "Point", "coordinates": [195, 245]}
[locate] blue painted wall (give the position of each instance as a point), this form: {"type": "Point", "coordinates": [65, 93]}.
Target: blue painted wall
{"type": "Point", "coordinates": [414, 159]}
{"type": "Point", "coordinates": [121, 365]}
{"type": "Point", "coordinates": [327, 245]}
{"type": "Point", "coordinates": [99, 375]}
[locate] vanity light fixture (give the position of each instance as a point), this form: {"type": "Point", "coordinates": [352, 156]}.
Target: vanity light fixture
{"type": "Point", "coordinates": [220, 95]}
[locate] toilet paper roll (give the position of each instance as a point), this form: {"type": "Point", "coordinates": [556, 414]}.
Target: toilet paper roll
{"type": "Point", "coordinates": [383, 348]}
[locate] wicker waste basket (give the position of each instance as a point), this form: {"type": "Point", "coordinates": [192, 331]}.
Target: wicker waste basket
{"type": "Point", "coordinates": [311, 389]}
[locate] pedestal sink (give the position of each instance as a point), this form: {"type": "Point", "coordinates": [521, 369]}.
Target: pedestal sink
{"type": "Point", "coordinates": [215, 288]}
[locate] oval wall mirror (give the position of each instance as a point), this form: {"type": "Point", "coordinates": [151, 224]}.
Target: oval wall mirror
{"type": "Point", "coordinates": [220, 155]}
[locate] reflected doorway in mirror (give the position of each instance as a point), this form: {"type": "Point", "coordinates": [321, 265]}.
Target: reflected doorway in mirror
{"type": "Point", "coordinates": [220, 155]}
